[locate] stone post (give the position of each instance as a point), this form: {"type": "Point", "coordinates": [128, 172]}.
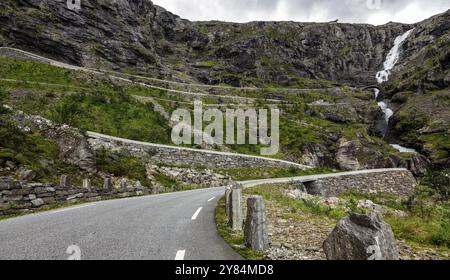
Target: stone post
{"type": "Point", "coordinates": [87, 184]}
{"type": "Point", "coordinates": [107, 185]}
{"type": "Point", "coordinates": [235, 218]}
{"type": "Point", "coordinates": [123, 185]}
{"type": "Point", "coordinates": [155, 188]}
{"type": "Point", "coordinates": [256, 236]}
{"type": "Point", "coordinates": [227, 200]}
{"type": "Point", "coordinates": [65, 182]}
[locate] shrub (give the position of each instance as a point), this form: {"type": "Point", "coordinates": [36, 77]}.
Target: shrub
{"type": "Point", "coordinates": [439, 181]}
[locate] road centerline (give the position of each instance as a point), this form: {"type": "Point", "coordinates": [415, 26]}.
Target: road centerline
{"type": "Point", "coordinates": [194, 217]}
{"type": "Point", "coordinates": [211, 199]}
{"type": "Point", "coordinates": [180, 255]}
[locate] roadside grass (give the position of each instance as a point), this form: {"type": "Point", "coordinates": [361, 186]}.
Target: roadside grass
{"type": "Point", "coordinates": [274, 193]}
{"type": "Point", "coordinates": [428, 220]}
{"type": "Point", "coordinates": [427, 223]}
{"type": "Point", "coordinates": [234, 239]}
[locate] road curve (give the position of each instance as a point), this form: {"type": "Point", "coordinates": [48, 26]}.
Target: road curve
{"type": "Point", "coordinates": [157, 227]}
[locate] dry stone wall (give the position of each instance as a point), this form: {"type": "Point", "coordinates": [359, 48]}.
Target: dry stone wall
{"type": "Point", "coordinates": [18, 197]}
{"type": "Point", "coordinates": [398, 182]}
{"type": "Point", "coordinates": [184, 156]}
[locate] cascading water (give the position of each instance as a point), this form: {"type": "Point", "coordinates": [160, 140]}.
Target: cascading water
{"type": "Point", "coordinates": [383, 76]}
{"type": "Point", "coordinates": [392, 58]}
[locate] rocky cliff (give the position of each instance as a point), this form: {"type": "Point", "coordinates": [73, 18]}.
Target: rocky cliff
{"type": "Point", "coordinates": [144, 37]}
{"type": "Point", "coordinates": [139, 37]}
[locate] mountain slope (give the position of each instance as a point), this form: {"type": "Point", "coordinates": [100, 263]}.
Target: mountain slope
{"type": "Point", "coordinates": [139, 35]}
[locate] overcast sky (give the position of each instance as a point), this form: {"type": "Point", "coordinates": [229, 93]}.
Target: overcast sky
{"type": "Point", "coordinates": [360, 11]}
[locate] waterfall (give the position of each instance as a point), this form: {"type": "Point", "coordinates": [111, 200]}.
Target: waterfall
{"type": "Point", "coordinates": [388, 113]}
{"type": "Point", "coordinates": [392, 58]}
{"type": "Point", "coordinates": [383, 76]}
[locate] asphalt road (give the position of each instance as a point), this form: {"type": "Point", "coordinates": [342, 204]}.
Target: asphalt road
{"type": "Point", "coordinates": [159, 227]}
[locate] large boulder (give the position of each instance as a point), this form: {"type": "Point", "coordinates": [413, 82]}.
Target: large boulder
{"type": "Point", "coordinates": [362, 237]}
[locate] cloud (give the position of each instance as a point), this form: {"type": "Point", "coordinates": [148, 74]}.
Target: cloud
{"type": "Point", "coordinates": [354, 11]}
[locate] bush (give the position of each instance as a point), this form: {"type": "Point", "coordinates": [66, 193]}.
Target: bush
{"type": "Point", "coordinates": [439, 181]}
{"type": "Point", "coordinates": [121, 166]}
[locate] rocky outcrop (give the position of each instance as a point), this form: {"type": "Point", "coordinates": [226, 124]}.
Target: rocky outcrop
{"type": "Point", "coordinates": [316, 155]}
{"type": "Point", "coordinates": [73, 145]}
{"type": "Point", "coordinates": [346, 155]}
{"type": "Point", "coordinates": [362, 237]}
{"type": "Point", "coordinates": [144, 36]}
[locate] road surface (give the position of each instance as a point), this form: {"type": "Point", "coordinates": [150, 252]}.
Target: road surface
{"type": "Point", "coordinates": [159, 227]}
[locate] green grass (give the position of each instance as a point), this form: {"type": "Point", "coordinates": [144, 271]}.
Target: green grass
{"type": "Point", "coordinates": [115, 114]}
{"type": "Point", "coordinates": [273, 192]}
{"type": "Point", "coordinates": [427, 223]}
{"type": "Point", "coordinates": [428, 219]}
{"type": "Point", "coordinates": [234, 239]}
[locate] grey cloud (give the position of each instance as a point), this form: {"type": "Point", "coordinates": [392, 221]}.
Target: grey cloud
{"type": "Point", "coordinates": [362, 11]}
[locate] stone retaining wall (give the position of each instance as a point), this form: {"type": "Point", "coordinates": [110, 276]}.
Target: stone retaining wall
{"type": "Point", "coordinates": [185, 156]}
{"type": "Point", "coordinates": [398, 182]}
{"type": "Point", "coordinates": [19, 198]}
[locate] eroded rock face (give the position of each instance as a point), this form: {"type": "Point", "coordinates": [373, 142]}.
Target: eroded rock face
{"type": "Point", "coordinates": [346, 155]}
{"type": "Point", "coordinates": [316, 155]}
{"type": "Point", "coordinates": [151, 36]}
{"type": "Point", "coordinates": [362, 237]}
{"type": "Point", "coordinates": [73, 145]}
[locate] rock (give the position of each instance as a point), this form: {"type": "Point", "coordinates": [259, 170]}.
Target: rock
{"type": "Point", "coordinates": [11, 165]}
{"type": "Point", "coordinates": [37, 202]}
{"type": "Point", "coordinates": [73, 146]}
{"type": "Point", "coordinates": [369, 205]}
{"type": "Point", "coordinates": [361, 237]}
{"type": "Point", "coordinates": [316, 155]}
{"type": "Point", "coordinates": [65, 182]}
{"type": "Point", "coordinates": [26, 175]}
{"type": "Point", "coordinates": [123, 185]}
{"type": "Point", "coordinates": [205, 177]}
{"type": "Point", "coordinates": [346, 157]}
{"type": "Point", "coordinates": [314, 188]}
{"type": "Point", "coordinates": [75, 197]}
{"type": "Point", "coordinates": [107, 185]}
{"type": "Point", "coordinates": [256, 234]}
{"type": "Point", "coordinates": [87, 184]}
{"type": "Point", "coordinates": [8, 183]}
{"type": "Point", "coordinates": [418, 164]}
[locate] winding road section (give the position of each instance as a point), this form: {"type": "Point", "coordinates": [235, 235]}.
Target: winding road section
{"type": "Point", "coordinates": [159, 227]}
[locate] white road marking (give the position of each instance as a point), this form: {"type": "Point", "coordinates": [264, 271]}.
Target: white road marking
{"type": "Point", "coordinates": [211, 199]}
{"type": "Point", "coordinates": [180, 255]}
{"type": "Point", "coordinates": [196, 213]}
